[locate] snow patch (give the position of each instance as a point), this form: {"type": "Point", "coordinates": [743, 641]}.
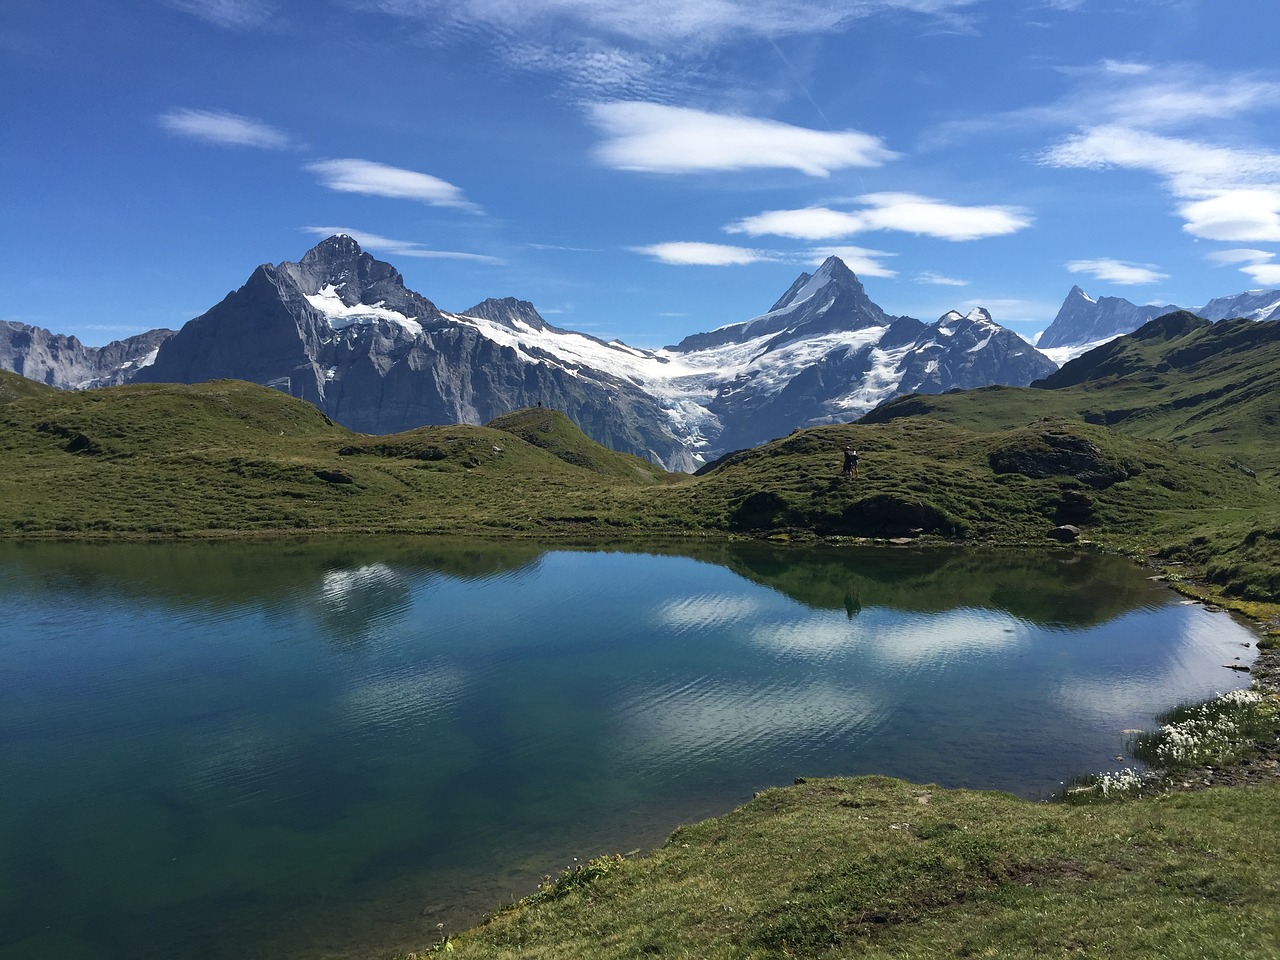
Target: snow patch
{"type": "Point", "coordinates": [340, 316]}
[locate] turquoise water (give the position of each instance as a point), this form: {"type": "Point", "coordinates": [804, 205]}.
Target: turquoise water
{"type": "Point", "coordinates": [216, 751]}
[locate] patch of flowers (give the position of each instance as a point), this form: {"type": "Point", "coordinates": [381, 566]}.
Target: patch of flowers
{"type": "Point", "coordinates": [1215, 732]}
{"type": "Point", "coordinates": [1118, 784]}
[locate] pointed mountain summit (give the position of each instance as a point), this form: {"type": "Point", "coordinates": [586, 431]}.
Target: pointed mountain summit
{"type": "Point", "coordinates": [1082, 320]}
{"type": "Point", "coordinates": [832, 298]}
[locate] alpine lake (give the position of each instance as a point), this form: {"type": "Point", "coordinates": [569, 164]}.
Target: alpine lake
{"type": "Point", "coordinates": [344, 748]}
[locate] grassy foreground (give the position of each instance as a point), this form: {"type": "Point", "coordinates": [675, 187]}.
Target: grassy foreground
{"type": "Point", "coordinates": [873, 867]}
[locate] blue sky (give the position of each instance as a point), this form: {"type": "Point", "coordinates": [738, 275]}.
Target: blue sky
{"type": "Point", "coordinates": [639, 169]}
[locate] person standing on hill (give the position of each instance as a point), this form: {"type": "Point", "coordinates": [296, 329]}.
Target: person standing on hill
{"type": "Point", "coordinates": [850, 462]}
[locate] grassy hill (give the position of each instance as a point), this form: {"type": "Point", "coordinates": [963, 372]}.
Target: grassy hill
{"type": "Point", "coordinates": [1213, 386]}
{"type": "Point", "coordinates": [231, 457]}
{"type": "Point", "coordinates": [1199, 388]}
{"type": "Point", "coordinates": [1133, 443]}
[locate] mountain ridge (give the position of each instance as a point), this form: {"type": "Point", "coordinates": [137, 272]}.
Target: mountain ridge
{"type": "Point", "coordinates": [339, 329]}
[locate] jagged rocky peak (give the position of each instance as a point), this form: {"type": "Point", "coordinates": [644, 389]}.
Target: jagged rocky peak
{"type": "Point", "coordinates": [508, 311]}
{"type": "Point", "coordinates": [338, 269]}
{"type": "Point", "coordinates": [833, 271]}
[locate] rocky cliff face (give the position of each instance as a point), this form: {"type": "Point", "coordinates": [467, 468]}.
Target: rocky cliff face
{"type": "Point", "coordinates": [66, 363]}
{"type": "Point", "coordinates": [340, 330]}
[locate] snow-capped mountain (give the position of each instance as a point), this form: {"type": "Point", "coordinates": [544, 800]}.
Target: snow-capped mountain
{"type": "Point", "coordinates": [1083, 323]}
{"type": "Point", "coordinates": [1254, 304]}
{"type": "Point", "coordinates": [66, 363]}
{"type": "Point", "coordinates": [825, 353]}
{"type": "Point", "coordinates": [340, 330]}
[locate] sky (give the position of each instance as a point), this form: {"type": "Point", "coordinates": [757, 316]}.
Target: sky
{"type": "Point", "coordinates": [638, 169]}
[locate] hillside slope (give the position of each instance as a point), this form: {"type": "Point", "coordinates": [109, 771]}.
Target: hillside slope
{"type": "Point", "coordinates": [1212, 386]}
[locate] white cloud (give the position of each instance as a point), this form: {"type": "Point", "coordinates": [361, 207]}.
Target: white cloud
{"type": "Point", "coordinates": [905, 212]}
{"type": "Point", "coordinates": [1174, 102]}
{"type": "Point", "coordinates": [928, 276]}
{"type": "Point", "coordinates": [860, 260]}
{"type": "Point", "coordinates": [811, 223]}
{"type": "Point", "coordinates": [1239, 215]}
{"type": "Point", "coordinates": [1267, 274]}
{"type": "Point", "coordinates": [1117, 271]}
{"type": "Point", "coordinates": [400, 248]}
{"type": "Point", "coordinates": [1239, 256]}
{"type": "Point", "coordinates": [1191, 168]}
{"type": "Point", "coordinates": [703, 254]}
{"type": "Point", "coordinates": [1258, 264]}
{"type": "Point", "coordinates": [933, 218]}
{"type": "Point", "coordinates": [1230, 194]}
{"type": "Point", "coordinates": [655, 138]}
{"type": "Point", "coordinates": [221, 127]}
{"type": "Point", "coordinates": [379, 180]}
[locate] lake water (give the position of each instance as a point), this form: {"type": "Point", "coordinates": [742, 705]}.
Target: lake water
{"type": "Point", "coordinates": [305, 750]}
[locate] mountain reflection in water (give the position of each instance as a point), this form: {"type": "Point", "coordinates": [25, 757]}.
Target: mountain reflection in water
{"type": "Point", "coordinates": [298, 749]}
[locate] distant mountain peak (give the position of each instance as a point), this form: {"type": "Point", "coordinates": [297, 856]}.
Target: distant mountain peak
{"type": "Point", "coordinates": [832, 271]}
{"type": "Point", "coordinates": [508, 311]}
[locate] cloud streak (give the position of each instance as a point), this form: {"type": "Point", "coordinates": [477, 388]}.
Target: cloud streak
{"type": "Point", "coordinates": [229, 14]}
{"type": "Point", "coordinates": [1117, 271]}
{"type": "Point", "coordinates": [655, 138]}
{"type": "Point", "coordinates": [688, 253]}
{"type": "Point", "coordinates": [379, 180]}
{"type": "Point", "coordinates": [223, 128]}
{"type": "Point", "coordinates": [662, 22]}
{"type": "Point", "coordinates": [903, 212]}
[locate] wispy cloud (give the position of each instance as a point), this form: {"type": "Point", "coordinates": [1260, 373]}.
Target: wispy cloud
{"type": "Point", "coordinates": [400, 248]}
{"type": "Point", "coordinates": [686, 253]}
{"type": "Point", "coordinates": [231, 14]}
{"type": "Point", "coordinates": [809, 223]}
{"type": "Point", "coordinates": [1239, 256]}
{"type": "Point", "coordinates": [1267, 274]}
{"type": "Point", "coordinates": [1126, 68]}
{"type": "Point", "coordinates": [662, 22]}
{"type": "Point", "coordinates": [222, 127]}
{"type": "Point", "coordinates": [1258, 264]}
{"type": "Point", "coordinates": [655, 138]}
{"type": "Point", "coordinates": [1117, 271]}
{"type": "Point", "coordinates": [1229, 193]}
{"type": "Point", "coordinates": [937, 279]}
{"type": "Point", "coordinates": [379, 180]}
{"type": "Point", "coordinates": [905, 212]}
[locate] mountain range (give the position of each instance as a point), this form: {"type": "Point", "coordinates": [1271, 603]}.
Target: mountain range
{"type": "Point", "coordinates": [341, 330]}
{"type": "Point", "coordinates": [1083, 322]}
